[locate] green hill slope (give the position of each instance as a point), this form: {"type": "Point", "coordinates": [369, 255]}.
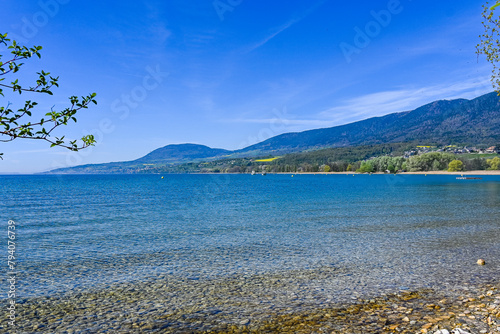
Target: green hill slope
{"type": "Point", "coordinates": [442, 122]}
{"type": "Point", "coordinates": [466, 122]}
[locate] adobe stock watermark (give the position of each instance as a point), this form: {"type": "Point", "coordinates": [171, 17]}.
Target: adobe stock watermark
{"type": "Point", "coordinates": [223, 6]}
{"type": "Point", "coordinates": [31, 25]}
{"type": "Point", "coordinates": [371, 30]}
{"type": "Point", "coordinates": [122, 107]}
{"type": "Point", "coordinates": [139, 93]}
{"type": "Point", "coordinates": [11, 273]}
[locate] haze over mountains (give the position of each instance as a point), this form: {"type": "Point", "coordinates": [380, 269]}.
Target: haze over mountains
{"type": "Point", "coordinates": [460, 121]}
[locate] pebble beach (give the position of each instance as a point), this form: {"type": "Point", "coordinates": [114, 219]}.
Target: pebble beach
{"type": "Point", "coordinates": [257, 304]}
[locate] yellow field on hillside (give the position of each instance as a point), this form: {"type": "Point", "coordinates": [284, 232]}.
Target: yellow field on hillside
{"type": "Point", "coordinates": [267, 160]}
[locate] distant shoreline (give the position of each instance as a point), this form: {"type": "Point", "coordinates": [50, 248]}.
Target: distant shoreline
{"type": "Point", "coordinates": [473, 172]}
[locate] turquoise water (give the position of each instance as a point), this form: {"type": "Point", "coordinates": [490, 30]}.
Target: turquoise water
{"type": "Point", "coordinates": [371, 232]}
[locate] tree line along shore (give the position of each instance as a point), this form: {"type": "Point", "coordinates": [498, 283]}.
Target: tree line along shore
{"type": "Point", "coordinates": [340, 160]}
{"type": "Point", "coordinates": [383, 158]}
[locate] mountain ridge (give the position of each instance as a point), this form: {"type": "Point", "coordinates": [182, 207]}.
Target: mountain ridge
{"type": "Point", "coordinates": [458, 121]}
{"type": "Point", "coordinates": [418, 126]}
{"type": "Point", "coordinates": [178, 152]}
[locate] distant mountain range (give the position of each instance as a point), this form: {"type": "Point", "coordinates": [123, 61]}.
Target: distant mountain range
{"type": "Point", "coordinates": [460, 121]}
{"type": "Point", "coordinates": [182, 153]}
{"type": "Point", "coordinates": [441, 122]}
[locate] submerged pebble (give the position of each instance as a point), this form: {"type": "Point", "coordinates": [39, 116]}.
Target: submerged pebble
{"type": "Point", "coordinates": [258, 305]}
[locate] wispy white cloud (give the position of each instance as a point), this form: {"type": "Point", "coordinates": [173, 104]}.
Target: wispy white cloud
{"type": "Point", "coordinates": [376, 104]}
{"type": "Point", "coordinates": [383, 103]}
{"type": "Point", "coordinates": [284, 27]}
{"type": "Point", "coordinates": [271, 36]}
{"type": "Point", "coordinates": [160, 32]}
{"type": "Point", "coordinates": [200, 39]}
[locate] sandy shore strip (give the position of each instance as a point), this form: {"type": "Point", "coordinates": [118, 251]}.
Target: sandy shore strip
{"type": "Point", "coordinates": [467, 173]}
{"type": "Point", "coordinates": [230, 306]}
{"type": "Point", "coordinates": [474, 172]}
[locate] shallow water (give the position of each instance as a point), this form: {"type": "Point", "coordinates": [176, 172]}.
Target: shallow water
{"type": "Point", "coordinates": [336, 236]}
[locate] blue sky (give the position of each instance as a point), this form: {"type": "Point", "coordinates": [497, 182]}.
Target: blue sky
{"type": "Point", "coordinates": [230, 73]}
